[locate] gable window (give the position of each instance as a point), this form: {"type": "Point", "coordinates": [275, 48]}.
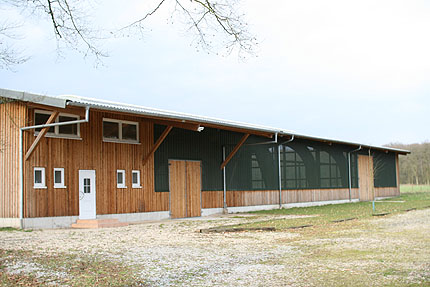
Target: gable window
{"type": "Point", "coordinates": [120, 131]}
{"type": "Point", "coordinates": [59, 178]}
{"type": "Point", "coordinates": [39, 177]}
{"type": "Point", "coordinates": [67, 131]}
{"type": "Point", "coordinates": [135, 179]}
{"type": "Point", "coordinates": [120, 178]}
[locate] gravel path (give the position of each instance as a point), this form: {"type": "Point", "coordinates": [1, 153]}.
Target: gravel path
{"type": "Point", "coordinates": [174, 253]}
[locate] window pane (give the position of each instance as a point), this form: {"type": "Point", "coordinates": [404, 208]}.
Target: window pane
{"type": "Point", "coordinates": [41, 119]}
{"type": "Point", "coordinates": [135, 178]}
{"type": "Point", "coordinates": [325, 171]}
{"type": "Point", "coordinates": [119, 178]}
{"type": "Point", "coordinates": [57, 176]}
{"type": "Point", "coordinates": [37, 176]}
{"type": "Point", "coordinates": [129, 132]}
{"type": "Point", "coordinates": [256, 174]}
{"type": "Point", "coordinates": [69, 129]}
{"type": "Point", "coordinates": [290, 156]}
{"type": "Point", "coordinates": [110, 130]}
{"type": "Point", "coordinates": [87, 185]}
{"type": "Point", "coordinates": [324, 157]}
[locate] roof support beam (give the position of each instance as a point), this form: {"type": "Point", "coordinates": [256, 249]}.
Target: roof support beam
{"type": "Point", "coordinates": [68, 110]}
{"type": "Point", "coordinates": [158, 143]}
{"type": "Point", "coordinates": [182, 125]}
{"type": "Point", "coordinates": [41, 135]}
{"type": "Point", "coordinates": [235, 150]}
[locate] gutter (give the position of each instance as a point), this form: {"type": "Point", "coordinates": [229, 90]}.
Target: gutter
{"type": "Point", "coordinates": [21, 158]}
{"type": "Point", "coordinates": [349, 169]}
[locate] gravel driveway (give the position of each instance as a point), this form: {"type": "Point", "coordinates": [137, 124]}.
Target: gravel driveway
{"type": "Point", "coordinates": [174, 253]}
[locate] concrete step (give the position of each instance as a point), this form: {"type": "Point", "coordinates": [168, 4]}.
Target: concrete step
{"type": "Point", "coordinates": [98, 223]}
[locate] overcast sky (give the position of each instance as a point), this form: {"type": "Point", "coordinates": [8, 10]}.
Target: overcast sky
{"type": "Point", "coordinates": [350, 70]}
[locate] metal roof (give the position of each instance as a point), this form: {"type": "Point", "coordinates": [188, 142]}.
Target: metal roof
{"type": "Point", "coordinates": [140, 110]}
{"type": "Point", "coordinates": [34, 98]}
{"type": "Point", "coordinates": [63, 100]}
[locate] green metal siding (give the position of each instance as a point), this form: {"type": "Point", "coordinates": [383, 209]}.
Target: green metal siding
{"type": "Point", "coordinates": [305, 164]}
{"type": "Point", "coordinates": [384, 165]}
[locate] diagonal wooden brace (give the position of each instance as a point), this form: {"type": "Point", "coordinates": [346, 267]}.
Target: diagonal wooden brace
{"type": "Point", "coordinates": [234, 151]}
{"type": "Point", "coordinates": [157, 144]}
{"type": "Point", "coordinates": [41, 135]}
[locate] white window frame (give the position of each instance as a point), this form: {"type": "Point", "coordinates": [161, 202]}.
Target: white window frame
{"type": "Point", "coordinates": [61, 184]}
{"type": "Point", "coordinates": [120, 139]}
{"type": "Point", "coordinates": [39, 184]}
{"type": "Point", "coordinates": [135, 185]}
{"type": "Point", "coordinates": [56, 133]}
{"type": "Point", "coordinates": [120, 185]}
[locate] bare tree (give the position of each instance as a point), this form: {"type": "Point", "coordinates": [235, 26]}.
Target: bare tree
{"type": "Point", "coordinates": [216, 25]}
{"type": "Point", "coordinates": [9, 56]}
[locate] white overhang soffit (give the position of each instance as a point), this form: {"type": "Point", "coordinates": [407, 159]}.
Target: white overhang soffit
{"type": "Point", "coordinates": [33, 98]}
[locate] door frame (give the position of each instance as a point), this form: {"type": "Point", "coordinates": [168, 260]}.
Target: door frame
{"type": "Point", "coordinates": [82, 173]}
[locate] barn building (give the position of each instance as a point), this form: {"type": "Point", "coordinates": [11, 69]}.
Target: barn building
{"type": "Point", "coordinates": [67, 158]}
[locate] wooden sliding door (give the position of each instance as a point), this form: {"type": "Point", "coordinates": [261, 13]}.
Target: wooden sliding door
{"type": "Point", "coordinates": [365, 177]}
{"type": "Point", "coordinates": [185, 188]}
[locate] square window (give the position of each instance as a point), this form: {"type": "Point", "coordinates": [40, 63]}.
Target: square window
{"type": "Point", "coordinates": [135, 174]}
{"type": "Point", "coordinates": [120, 131]}
{"type": "Point", "coordinates": [41, 119]}
{"type": "Point", "coordinates": [65, 131]}
{"type": "Point", "coordinates": [129, 132]}
{"type": "Point", "coordinates": [59, 178]}
{"type": "Point", "coordinates": [120, 178]}
{"type": "Point", "coordinates": [39, 177]}
{"type": "Point", "coordinates": [110, 130]}
{"type": "Point", "coordinates": [68, 129]}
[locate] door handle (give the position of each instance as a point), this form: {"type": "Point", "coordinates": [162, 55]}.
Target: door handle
{"type": "Point", "coordinates": [81, 195]}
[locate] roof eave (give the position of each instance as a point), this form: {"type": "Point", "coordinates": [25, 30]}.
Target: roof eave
{"type": "Point", "coordinates": [33, 98]}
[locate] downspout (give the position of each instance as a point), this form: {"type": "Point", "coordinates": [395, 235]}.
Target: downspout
{"type": "Point", "coordinates": [21, 158]}
{"type": "Point", "coordinates": [372, 184]}
{"type": "Point", "coordinates": [349, 170]}
{"type": "Point", "coordinates": [225, 211]}
{"type": "Point", "coordinates": [279, 169]}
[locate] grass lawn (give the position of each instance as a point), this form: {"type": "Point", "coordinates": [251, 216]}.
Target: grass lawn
{"type": "Point", "coordinates": [327, 214]}
{"type": "Point", "coordinates": [411, 188]}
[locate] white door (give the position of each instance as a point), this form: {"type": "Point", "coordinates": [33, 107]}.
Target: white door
{"type": "Point", "coordinates": [87, 194]}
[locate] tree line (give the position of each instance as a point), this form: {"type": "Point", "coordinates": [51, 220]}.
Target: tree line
{"type": "Point", "coordinates": [414, 167]}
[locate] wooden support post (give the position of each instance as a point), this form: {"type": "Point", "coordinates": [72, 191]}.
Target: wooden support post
{"type": "Point", "coordinates": [41, 135]}
{"type": "Point", "coordinates": [157, 144]}
{"type": "Point", "coordinates": [234, 151]}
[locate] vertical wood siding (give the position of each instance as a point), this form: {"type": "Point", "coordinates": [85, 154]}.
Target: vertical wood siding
{"type": "Point", "coordinates": [12, 117]}
{"type": "Point", "coordinates": [93, 154]}
{"type": "Point", "coordinates": [387, 191]}
{"type": "Point", "coordinates": [214, 199]}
